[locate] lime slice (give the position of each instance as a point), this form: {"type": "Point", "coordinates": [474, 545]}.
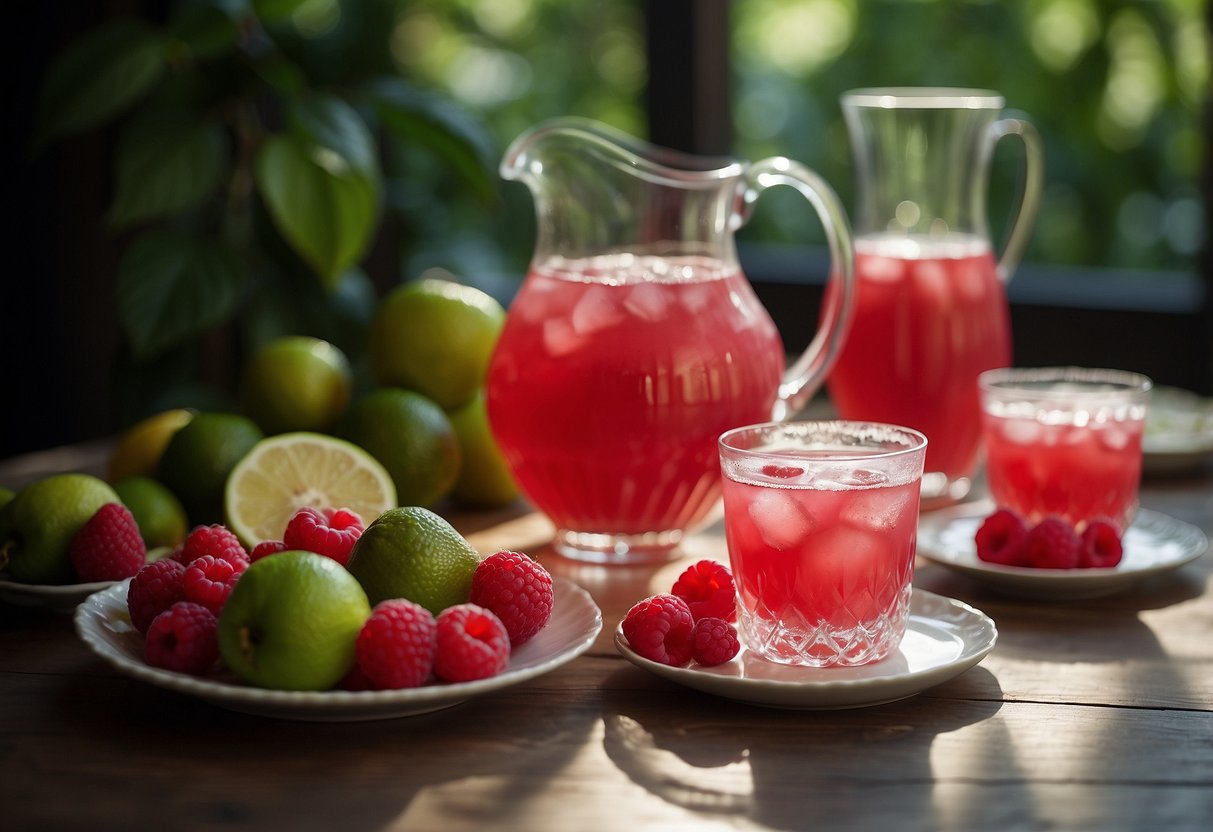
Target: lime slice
{"type": "Point", "coordinates": [282, 474]}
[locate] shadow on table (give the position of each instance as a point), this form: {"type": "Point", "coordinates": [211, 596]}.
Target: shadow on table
{"type": "Point", "coordinates": [863, 768]}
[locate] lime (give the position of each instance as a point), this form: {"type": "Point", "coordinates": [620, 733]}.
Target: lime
{"type": "Point", "coordinates": [412, 553]}
{"type": "Point", "coordinates": [412, 437]}
{"type": "Point", "coordinates": [6, 494]}
{"type": "Point", "coordinates": [291, 622]}
{"type": "Point", "coordinates": [140, 446]}
{"type": "Point", "coordinates": [159, 514]}
{"type": "Point", "coordinates": [199, 457]}
{"type": "Point", "coordinates": [484, 476]}
{"type": "Point", "coordinates": [284, 473]}
{"type": "Point", "coordinates": [40, 521]}
{"type": "Point", "coordinates": [296, 383]}
{"type": "Point", "coordinates": [435, 337]}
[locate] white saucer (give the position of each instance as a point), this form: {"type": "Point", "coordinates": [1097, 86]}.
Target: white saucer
{"type": "Point", "coordinates": [61, 597]}
{"type": "Point", "coordinates": [1179, 432]}
{"type": "Point", "coordinates": [104, 625]}
{"type": "Point", "coordinates": [944, 638]}
{"type": "Point", "coordinates": [1154, 543]}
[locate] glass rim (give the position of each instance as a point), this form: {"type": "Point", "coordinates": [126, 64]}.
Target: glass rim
{"type": "Point", "coordinates": [917, 438]}
{"type": "Point", "coordinates": [924, 98]}
{"type": "Point", "coordinates": [1019, 381]}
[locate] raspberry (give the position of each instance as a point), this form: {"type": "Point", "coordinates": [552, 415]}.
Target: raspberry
{"type": "Point", "coordinates": [707, 587]}
{"type": "Point", "coordinates": [1052, 544]}
{"type": "Point", "coordinates": [713, 641]}
{"type": "Point", "coordinates": [183, 638]}
{"type": "Point", "coordinates": [472, 644]}
{"type": "Point", "coordinates": [310, 529]}
{"type": "Point", "coordinates": [208, 581]}
{"type": "Point", "coordinates": [108, 547]}
{"type": "Point", "coordinates": [1101, 546]}
{"type": "Point", "coordinates": [153, 590]}
{"type": "Point", "coordinates": [659, 629]}
{"type": "Point", "coordinates": [517, 590]}
{"type": "Point", "coordinates": [215, 540]}
{"type": "Point", "coordinates": [395, 648]}
{"type": "Point", "coordinates": [784, 472]}
{"type": "Point", "coordinates": [1001, 537]}
{"type": "Point", "coordinates": [266, 548]}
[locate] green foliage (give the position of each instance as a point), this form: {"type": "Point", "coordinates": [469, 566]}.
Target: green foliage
{"type": "Point", "coordinates": [255, 151]}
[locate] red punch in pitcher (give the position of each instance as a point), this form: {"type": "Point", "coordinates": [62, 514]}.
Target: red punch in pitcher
{"type": "Point", "coordinates": [931, 313]}
{"type": "Point", "coordinates": [636, 340]}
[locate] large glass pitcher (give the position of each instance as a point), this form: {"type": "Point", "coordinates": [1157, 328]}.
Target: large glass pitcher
{"type": "Point", "coordinates": [635, 340]}
{"type": "Point", "coordinates": [931, 313]}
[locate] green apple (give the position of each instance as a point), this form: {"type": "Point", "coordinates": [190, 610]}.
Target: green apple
{"type": "Point", "coordinates": [291, 622]}
{"type": "Point", "coordinates": [39, 523]}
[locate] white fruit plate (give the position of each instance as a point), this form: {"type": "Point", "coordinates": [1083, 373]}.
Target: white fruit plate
{"type": "Point", "coordinates": [61, 597]}
{"type": "Point", "coordinates": [104, 625]}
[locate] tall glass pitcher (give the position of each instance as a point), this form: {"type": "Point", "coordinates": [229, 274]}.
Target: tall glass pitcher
{"type": "Point", "coordinates": [635, 340]}
{"type": "Point", "coordinates": [931, 312]}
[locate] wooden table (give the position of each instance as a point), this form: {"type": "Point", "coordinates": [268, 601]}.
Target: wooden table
{"type": "Point", "coordinates": [1087, 715]}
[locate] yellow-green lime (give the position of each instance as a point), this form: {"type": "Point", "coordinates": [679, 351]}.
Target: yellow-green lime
{"type": "Point", "coordinates": [6, 494]}
{"type": "Point", "coordinates": [141, 445]}
{"type": "Point", "coordinates": [413, 439]}
{"type": "Point", "coordinates": [284, 473]}
{"type": "Point", "coordinates": [484, 480]}
{"type": "Point", "coordinates": [435, 337]}
{"type": "Point", "coordinates": [411, 552]}
{"type": "Point", "coordinates": [39, 522]}
{"type": "Point", "coordinates": [296, 383]}
{"type": "Point", "coordinates": [199, 457]}
{"type": "Point", "coordinates": [158, 513]}
{"type": "Point", "coordinates": [291, 622]}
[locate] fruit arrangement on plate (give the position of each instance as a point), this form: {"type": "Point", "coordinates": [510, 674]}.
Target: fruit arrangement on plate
{"type": "Point", "coordinates": [693, 622]}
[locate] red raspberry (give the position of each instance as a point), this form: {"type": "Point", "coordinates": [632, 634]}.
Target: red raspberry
{"type": "Point", "coordinates": [1052, 544]}
{"type": "Point", "coordinates": [266, 548]}
{"type": "Point", "coordinates": [785, 472]}
{"type": "Point", "coordinates": [395, 648]}
{"type": "Point", "coordinates": [659, 629]}
{"type": "Point", "coordinates": [1001, 537]}
{"type": "Point", "coordinates": [153, 590]}
{"type": "Point", "coordinates": [472, 644]}
{"type": "Point", "coordinates": [183, 638]}
{"type": "Point", "coordinates": [707, 587]}
{"type": "Point", "coordinates": [517, 590]}
{"type": "Point", "coordinates": [108, 547]}
{"type": "Point", "coordinates": [1101, 546]}
{"type": "Point", "coordinates": [311, 530]}
{"type": "Point", "coordinates": [713, 641]}
{"type": "Point", "coordinates": [209, 580]}
{"type": "Point", "coordinates": [215, 540]}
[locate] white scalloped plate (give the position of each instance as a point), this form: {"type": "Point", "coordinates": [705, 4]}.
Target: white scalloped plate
{"type": "Point", "coordinates": [104, 625]}
{"type": "Point", "coordinates": [61, 597]}
{"type": "Point", "coordinates": [944, 638]}
{"type": "Point", "coordinates": [1154, 543]}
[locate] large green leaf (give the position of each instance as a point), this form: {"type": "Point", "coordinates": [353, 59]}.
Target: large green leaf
{"type": "Point", "coordinates": [98, 76]}
{"type": "Point", "coordinates": [329, 122]}
{"type": "Point", "coordinates": [322, 205]}
{"type": "Point", "coordinates": [171, 286]}
{"type": "Point", "coordinates": [423, 119]}
{"type": "Point", "coordinates": [166, 162]}
{"type": "Point", "coordinates": [205, 30]}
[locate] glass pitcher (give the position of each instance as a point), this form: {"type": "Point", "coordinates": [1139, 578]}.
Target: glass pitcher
{"type": "Point", "coordinates": [635, 340]}
{"type": "Point", "coordinates": [931, 313]}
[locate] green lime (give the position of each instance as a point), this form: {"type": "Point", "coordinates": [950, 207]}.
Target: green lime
{"type": "Point", "coordinates": [484, 475]}
{"type": "Point", "coordinates": [435, 337]}
{"type": "Point", "coordinates": [159, 514]}
{"type": "Point", "coordinates": [413, 439]}
{"type": "Point", "coordinates": [291, 622]}
{"type": "Point", "coordinates": [6, 494]}
{"type": "Point", "coordinates": [296, 383]}
{"type": "Point", "coordinates": [40, 521]}
{"type": "Point", "coordinates": [141, 445]}
{"type": "Point", "coordinates": [199, 457]}
{"type": "Point", "coordinates": [412, 553]}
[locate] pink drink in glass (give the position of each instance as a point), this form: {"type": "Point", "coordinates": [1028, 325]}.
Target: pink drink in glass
{"type": "Point", "coordinates": [613, 380]}
{"type": "Point", "coordinates": [930, 316]}
{"type": "Point", "coordinates": [822, 551]}
{"type": "Point", "coordinates": [1065, 442]}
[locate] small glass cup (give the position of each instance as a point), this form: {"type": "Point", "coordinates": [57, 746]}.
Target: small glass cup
{"type": "Point", "coordinates": [821, 521]}
{"type": "Point", "coordinates": [1064, 442]}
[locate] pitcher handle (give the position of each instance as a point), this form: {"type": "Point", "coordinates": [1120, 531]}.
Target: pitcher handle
{"type": "Point", "coordinates": [808, 372]}
{"type": "Point", "coordinates": [1031, 185]}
